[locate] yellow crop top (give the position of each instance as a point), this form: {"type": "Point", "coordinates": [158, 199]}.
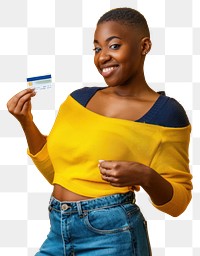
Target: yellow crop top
{"type": "Point", "coordinates": [80, 137]}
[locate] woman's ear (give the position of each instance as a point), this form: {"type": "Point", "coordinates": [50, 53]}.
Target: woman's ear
{"type": "Point", "coordinates": [145, 45]}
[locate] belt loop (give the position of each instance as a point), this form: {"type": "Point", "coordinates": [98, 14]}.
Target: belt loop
{"type": "Point", "coordinates": [79, 208]}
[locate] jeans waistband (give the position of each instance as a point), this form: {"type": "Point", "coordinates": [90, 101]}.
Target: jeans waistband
{"type": "Point", "coordinates": [91, 204]}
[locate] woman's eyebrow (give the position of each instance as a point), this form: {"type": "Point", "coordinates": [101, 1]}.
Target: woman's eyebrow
{"type": "Point", "coordinates": [108, 39]}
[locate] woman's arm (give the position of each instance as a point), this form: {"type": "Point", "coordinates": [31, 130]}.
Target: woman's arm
{"type": "Point", "coordinates": [167, 180]}
{"type": "Point", "coordinates": [158, 188]}
{"type": "Point", "coordinates": [123, 174]}
{"type": "Point", "coordinates": [20, 107]}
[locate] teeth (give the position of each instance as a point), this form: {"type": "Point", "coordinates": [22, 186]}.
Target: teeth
{"type": "Point", "coordinates": [107, 69]}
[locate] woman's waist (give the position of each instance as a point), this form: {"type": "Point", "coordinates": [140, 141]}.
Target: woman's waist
{"type": "Point", "coordinates": [92, 204]}
{"type": "Point", "coordinates": [83, 187]}
{"type": "Point", "coordinates": [63, 194]}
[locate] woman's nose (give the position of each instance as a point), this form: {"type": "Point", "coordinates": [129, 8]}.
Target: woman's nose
{"type": "Point", "coordinates": [104, 56]}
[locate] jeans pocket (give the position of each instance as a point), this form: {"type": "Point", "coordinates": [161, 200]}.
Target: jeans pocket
{"type": "Point", "coordinates": [106, 220]}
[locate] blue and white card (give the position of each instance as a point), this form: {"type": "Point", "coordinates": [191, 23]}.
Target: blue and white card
{"type": "Point", "coordinates": [40, 82]}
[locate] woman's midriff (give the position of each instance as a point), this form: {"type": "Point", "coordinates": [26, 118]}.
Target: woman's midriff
{"type": "Point", "coordinates": [63, 194]}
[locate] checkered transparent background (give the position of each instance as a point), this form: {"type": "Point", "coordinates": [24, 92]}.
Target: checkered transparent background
{"type": "Point", "coordinates": [48, 36]}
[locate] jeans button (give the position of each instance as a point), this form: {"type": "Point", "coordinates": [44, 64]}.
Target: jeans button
{"type": "Point", "coordinates": [65, 207]}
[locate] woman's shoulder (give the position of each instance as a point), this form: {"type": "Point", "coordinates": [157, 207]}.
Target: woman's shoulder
{"type": "Point", "coordinates": [84, 94]}
{"type": "Point", "coordinates": [171, 113]}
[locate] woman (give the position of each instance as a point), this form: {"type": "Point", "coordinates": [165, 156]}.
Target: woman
{"type": "Point", "coordinates": [141, 135]}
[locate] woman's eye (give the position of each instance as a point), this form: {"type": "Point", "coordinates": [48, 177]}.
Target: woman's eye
{"type": "Point", "coordinates": [115, 46]}
{"type": "Point", "coordinates": [97, 49]}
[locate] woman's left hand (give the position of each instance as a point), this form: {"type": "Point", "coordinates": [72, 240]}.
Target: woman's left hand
{"type": "Point", "coordinates": [122, 174]}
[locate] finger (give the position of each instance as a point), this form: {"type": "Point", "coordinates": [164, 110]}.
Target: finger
{"type": "Point", "coordinates": [20, 94]}
{"type": "Point", "coordinates": [112, 180]}
{"type": "Point", "coordinates": [19, 104]}
{"type": "Point", "coordinates": [109, 179]}
{"type": "Point", "coordinates": [26, 106]}
{"type": "Point", "coordinates": [108, 164]}
{"type": "Point", "coordinates": [104, 172]}
{"type": "Point", "coordinates": [14, 100]}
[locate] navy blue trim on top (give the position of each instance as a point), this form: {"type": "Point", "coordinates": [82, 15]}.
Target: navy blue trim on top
{"type": "Point", "coordinates": [166, 111]}
{"type": "Point", "coordinates": [84, 94]}
{"type": "Point", "coordinates": [35, 78]}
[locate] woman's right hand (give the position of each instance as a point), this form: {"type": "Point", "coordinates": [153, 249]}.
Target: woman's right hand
{"type": "Point", "coordinates": [20, 106]}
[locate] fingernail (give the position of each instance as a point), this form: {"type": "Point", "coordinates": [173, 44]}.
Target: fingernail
{"type": "Point", "coordinates": [101, 161]}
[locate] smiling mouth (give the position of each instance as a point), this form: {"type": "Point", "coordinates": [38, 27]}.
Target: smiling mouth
{"type": "Point", "coordinates": [108, 71]}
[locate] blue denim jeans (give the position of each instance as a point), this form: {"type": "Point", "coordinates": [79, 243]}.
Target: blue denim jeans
{"type": "Point", "coordinates": [106, 226]}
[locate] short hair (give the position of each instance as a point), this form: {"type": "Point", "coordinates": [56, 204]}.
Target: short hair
{"type": "Point", "coordinates": [127, 16]}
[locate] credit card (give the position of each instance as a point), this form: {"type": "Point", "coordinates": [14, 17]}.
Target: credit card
{"type": "Point", "coordinates": [40, 82]}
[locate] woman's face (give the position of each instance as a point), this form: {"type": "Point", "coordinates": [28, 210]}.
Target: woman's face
{"type": "Point", "coordinates": [118, 53]}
